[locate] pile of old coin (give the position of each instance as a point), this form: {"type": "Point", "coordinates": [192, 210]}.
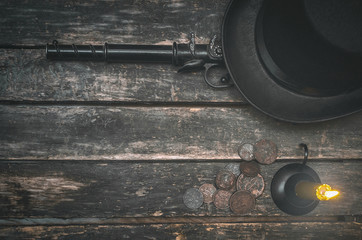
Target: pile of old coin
{"type": "Point", "coordinates": [263, 151]}
{"type": "Point", "coordinates": [238, 184]}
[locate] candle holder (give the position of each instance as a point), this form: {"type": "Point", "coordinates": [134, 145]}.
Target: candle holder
{"type": "Point", "coordinates": [283, 187]}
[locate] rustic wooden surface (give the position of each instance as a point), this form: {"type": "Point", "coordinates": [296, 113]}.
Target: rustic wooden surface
{"type": "Point", "coordinates": [145, 132]}
{"type": "Point", "coordinates": [96, 21]}
{"type": "Point", "coordinates": [76, 189]}
{"type": "Point", "coordinates": [163, 131]}
{"type": "Point", "coordinates": [305, 231]}
{"type": "Point", "coordinates": [26, 75]}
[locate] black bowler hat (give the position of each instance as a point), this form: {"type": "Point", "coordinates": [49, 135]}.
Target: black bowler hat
{"type": "Point", "coordinates": [296, 60]}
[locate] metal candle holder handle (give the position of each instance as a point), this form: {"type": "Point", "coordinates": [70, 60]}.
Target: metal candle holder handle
{"type": "Point", "coordinates": [283, 187]}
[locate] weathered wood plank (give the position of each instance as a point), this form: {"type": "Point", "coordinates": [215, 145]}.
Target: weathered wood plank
{"type": "Point", "coordinates": [27, 75]}
{"type": "Point", "coordinates": [95, 21]}
{"type": "Point", "coordinates": [143, 133]}
{"type": "Point", "coordinates": [276, 231]}
{"type": "Point", "coordinates": [173, 220]}
{"type": "Point", "coordinates": [83, 189]}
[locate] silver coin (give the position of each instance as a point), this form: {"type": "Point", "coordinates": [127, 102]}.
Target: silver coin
{"type": "Point", "coordinates": [234, 168]}
{"type": "Point", "coordinates": [193, 198]}
{"type": "Point", "coordinates": [246, 152]}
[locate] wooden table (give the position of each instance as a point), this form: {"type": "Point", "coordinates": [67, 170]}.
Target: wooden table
{"type": "Point", "coordinates": [96, 150]}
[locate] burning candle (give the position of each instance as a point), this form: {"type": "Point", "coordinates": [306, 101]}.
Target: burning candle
{"type": "Point", "coordinates": [315, 191]}
{"type": "Point", "coordinates": [296, 188]}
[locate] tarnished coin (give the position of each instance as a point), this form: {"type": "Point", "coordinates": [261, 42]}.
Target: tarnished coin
{"type": "Point", "coordinates": [265, 151]}
{"type": "Point", "coordinates": [207, 191]}
{"type": "Point", "coordinates": [255, 185]}
{"type": "Point", "coordinates": [246, 152]}
{"type": "Point", "coordinates": [193, 198]}
{"type": "Point", "coordinates": [225, 180]}
{"type": "Point", "coordinates": [234, 168]}
{"type": "Point", "coordinates": [250, 169]}
{"type": "Point", "coordinates": [221, 199]}
{"type": "Point", "coordinates": [242, 202]}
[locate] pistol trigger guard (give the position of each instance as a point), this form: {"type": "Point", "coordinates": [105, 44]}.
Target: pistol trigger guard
{"type": "Point", "coordinates": [192, 65]}
{"type": "Point", "coordinates": [225, 80]}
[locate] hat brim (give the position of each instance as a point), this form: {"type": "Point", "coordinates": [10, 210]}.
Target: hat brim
{"type": "Point", "coordinates": [256, 84]}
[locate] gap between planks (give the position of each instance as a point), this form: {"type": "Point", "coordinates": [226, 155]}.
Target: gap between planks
{"type": "Point", "coordinates": [152, 161]}
{"type": "Point", "coordinates": [173, 220]}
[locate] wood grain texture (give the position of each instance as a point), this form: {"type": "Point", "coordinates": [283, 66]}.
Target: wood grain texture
{"type": "Point", "coordinates": [79, 189]}
{"type": "Point", "coordinates": [306, 231]}
{"type": "Point", "coordinates": [179, 133]}
{"type": "Point", "coordinates": [129, 21]}
{"type": "Point", "coordinates": [28, 75]}
{"type": "Point", "coordinates": [174, 220]}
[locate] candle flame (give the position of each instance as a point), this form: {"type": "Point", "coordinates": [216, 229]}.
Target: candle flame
{"type": "Point", "coordinates": [324, 192]}
{"type": "Point", "coordinates": [331, 194]}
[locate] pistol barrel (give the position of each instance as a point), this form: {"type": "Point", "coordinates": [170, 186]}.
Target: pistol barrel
{"type": "Point", "coordinates": [176, 54]}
